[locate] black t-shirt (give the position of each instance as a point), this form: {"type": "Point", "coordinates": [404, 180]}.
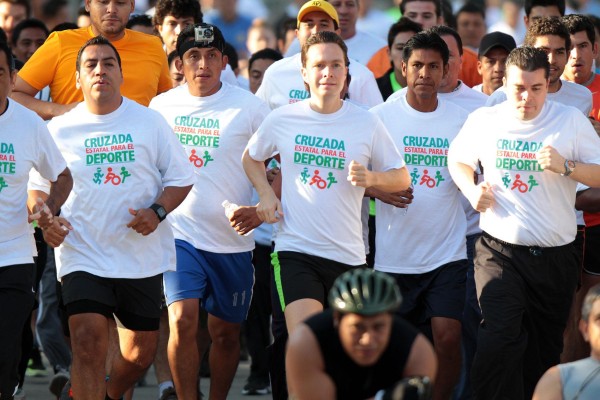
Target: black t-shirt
{"type": "Point", "coordinates": [351, 380]}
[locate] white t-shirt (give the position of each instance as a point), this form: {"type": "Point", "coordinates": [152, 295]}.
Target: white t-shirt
{"type": "Point", "coordinates": [479, 88]}
{"type": "Point", "coordinates": [321, 209]}
{"type": "Point", "coordinates": [118, 161]}
{"type": "Point", "coordinates": [25, 143]}
{"type": "Point", "coordinates": [214, 131]}
{"type": "Point", "coordinates": [463, 96]}
{"type": "Point", "coordinates": [470, 100]}
{"type": "Point", "coordinates": [432, 231]}
{"type": "Point", "coordinates": [283, 84]}
{"type": "Point", "coordinates": [532, 207]}
{"type": "Point", "coordinates": [570, 94]}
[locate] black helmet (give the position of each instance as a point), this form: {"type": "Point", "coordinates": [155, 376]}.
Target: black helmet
{"type": "Point", "coordinates": [365, 292]}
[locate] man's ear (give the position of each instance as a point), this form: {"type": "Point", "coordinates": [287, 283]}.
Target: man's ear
{"type": "Point", "coordinates": [77, 84]}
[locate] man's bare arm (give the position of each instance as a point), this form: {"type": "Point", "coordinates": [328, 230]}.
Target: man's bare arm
{"type": "Point", "coordinates": [549, 386]}
{"type": "Point", "coordinates": [305, 368]}
{"type": "Point", "coordinates": [588, 200]}
{"type": "Point", "coordinates": [24, 93]}
{"type": "Point", "coordinates": [145, 221]}
{"type": "Point", "coordinates": [269, 208]}
{"type": "Point", "coordinates": [391, 181]}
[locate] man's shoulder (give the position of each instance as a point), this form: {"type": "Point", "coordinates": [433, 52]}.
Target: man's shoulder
{"type": "Point", "coordinates": [285, 64]}
{"type": "Point", "coordinates": [132, 36]}
{"type": "Point", "coordinates": [22, 115]}
{"type": "Point", "coordinates": [368, 39]}
{"type": "Point", "coordinates": [359, 71]}
{"type": "Point", "coordinates": [573, 89]}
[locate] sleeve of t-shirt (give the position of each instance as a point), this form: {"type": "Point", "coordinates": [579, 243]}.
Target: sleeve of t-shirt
{"type": "Point", "coordinates": [497, 97]}
{"type": "Point", "coordinates": [587, 149]}
{"type": "Point", "coordinates": [172, 161]}
{"type": "Point", "coordinates": [260, 113]}
{"type": "Point", "coordinates": [50, 162]}
{"type": "Point", "coordinates": [263, 90]}
{"type": "Point", "coordinates": [262, 144]}
{"type": "Point", "coordinates": [384, 154]}
{"type": "Point", "coordinates": [463, 148]}
{"type": "Point", "coordinates": [39, 70]}
{"type": "Point", "coordinates": [364, 90]}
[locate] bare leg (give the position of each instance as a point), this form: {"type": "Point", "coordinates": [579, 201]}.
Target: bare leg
{"type": "Point", "coordinates": [137, 350]}
{"type": "Point", "coordinates": [299, 310]}
{"type": "Point", "coordinates": [446, 342]}
{"type": "Point", "coordinates": [89, 341]}
{"type": "Point", "coordinates": [183, 347]}
{"type": "Point", "coordinates": [224, 355]}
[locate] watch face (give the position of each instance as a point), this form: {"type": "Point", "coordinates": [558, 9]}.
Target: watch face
{"type": "Point", "coordinates": [161, 212]}
{"type": "Point", "coordinates": [571, 164]}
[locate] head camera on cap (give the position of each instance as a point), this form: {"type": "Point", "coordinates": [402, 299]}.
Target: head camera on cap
{"type": "Point", "coordinates": [200, 36]}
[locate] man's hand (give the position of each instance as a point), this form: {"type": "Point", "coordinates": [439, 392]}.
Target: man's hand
{"type": "Point", "coordinates": [244, 219]}
{"type": "Point", "coordinates": [41, 214]}
{"type": "Point", "coordinates": [399, 199]}
{"type": "Point", "coordinates": [57, 231]}
{"type": "Point", "coordinates": [551, 160]}
{"type": "Point", "coordinates": [269, 209]}
{"type": "Point", "coordinates": [145, 221]}
{"type": "Point", "coordinates": [482, 197]}
{"type": "Point", "coordinates": [359, 175]}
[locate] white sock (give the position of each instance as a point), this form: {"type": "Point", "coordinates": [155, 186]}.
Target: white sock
{"type": "Point", "coordinates": [164, 385]}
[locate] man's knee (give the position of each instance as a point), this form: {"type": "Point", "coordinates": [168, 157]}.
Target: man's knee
{"type": "Point", "coordinates": [183, 319]}
{"type": "Point", "coordinates": [141, 353]}
{"type": "Point", "coordinates": [446, 334]}
{"type": "Point", "coordinates": [89, 337]}
{"type": "Point", "coordinates": [224, 334]}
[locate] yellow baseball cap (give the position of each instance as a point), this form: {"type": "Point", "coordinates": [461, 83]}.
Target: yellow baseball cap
{"type": "Point", "coordinates": [318, 5]}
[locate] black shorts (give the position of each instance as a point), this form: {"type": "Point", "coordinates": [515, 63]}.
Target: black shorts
{"type": "Point", "coordinates": [302, 276]}
{"type": "Point", "coordinates": [135, 302]}
{"type": "Point", "coordinates": [591, 259]}
{"type": "Point", "coordinates": [437, 293]}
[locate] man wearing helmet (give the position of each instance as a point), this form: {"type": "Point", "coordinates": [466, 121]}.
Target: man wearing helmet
{"type": "Point", "coordinates": [359, 348]}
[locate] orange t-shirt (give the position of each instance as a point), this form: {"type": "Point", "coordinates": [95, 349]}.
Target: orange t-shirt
{"type": "Point", "coordinates": [469, 74]}
{"type": "Point", "coordinates": [595, 89]}
{"type": "Point", "coordinates": [594, 219]}
{"type": "Point", "coordinates": [144, 63]}
{"type": "Point", "coordinates": [379, 64]}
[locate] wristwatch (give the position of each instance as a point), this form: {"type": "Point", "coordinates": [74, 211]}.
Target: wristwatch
{"type": "Point", "coordinates": [569, 167]}
{"type": "Point", "coordinates": [160, 211]}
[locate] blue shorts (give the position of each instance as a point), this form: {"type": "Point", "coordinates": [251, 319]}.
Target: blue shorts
{"type": "Point", "coordinates": [222, 282]}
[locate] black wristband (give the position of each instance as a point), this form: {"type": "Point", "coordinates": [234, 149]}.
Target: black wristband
{"type": "Point", "coordinates": [160, 211]}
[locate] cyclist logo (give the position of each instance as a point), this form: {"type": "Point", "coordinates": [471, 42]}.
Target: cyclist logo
{"type": "Point", "coordinates": [194, 159]}
{"type": "Point", "coordinates": [427, 180]}
{"type": "Point", "coordinates": [522, 186]}
{"type": "Point", "coordinates": [316, 179]}
{"type": "Point", "coordinates": [112, 178]}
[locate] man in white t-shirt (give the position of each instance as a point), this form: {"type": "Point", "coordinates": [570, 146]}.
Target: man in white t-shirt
{"type": "Point", "coordinates": [282, 83]}
{"type": "Point", "coordinates": [533, 154]}
{"type": "Point", "coordinates": [129, 173]}
{"type": "Point", "coordinates": [213, 122]}
{"type": "Point", "coordinates": [25, 143]}
{"type": "Point", "coordinates": [325, 144]}
{"type": "Point", "coordinates": [551, 35]}
{"type": "Point", "coordinates": [430, 269]}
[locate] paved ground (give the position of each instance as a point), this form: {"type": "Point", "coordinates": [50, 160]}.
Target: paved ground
{"type": "Point", "coordinates": [37, 388]}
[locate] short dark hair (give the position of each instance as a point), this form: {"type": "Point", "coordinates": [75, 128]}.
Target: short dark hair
{"type": "Point", "coordinates": [27, 24]}
{"type": "Point", "coordinates": [3, 37]}
{"type": "Point", "coordinates": [82, 11]}
{"type": "Point", "coordinates": [24, 3]}
{"type": "Point", "coordinates": [592, 296]}
{"type": "Point", "coordinates": [232, 56]}
{"type": "Point", "coordinates": [529, 59]}
{"type": "Point", "coordinates": [427, 40]}
{"type": "Point", "coordinates": [443, 30]}
{"type": "Point", "coordinates": [577, 23]}
{"type": "Point", "coordinates": [438, 6]}
{"type": "Point", "coordinates": [96, 41]}
{"type": "Point", "coordinates": [403, 25]}
{"type": "Point", "coordinates": [9, 57]}
{"type": "Point", "coordinates": [471, 8]}
{"type": "Point", "coordinates": [529, 4]}
{"type": "Point", "coordinates": [448, 14]}
{"type": "Point", "coordinates": [63, 26]}
{"type": "Point", "coordinates": [285, 25]}
{"type": "Point", "coordinates": [547, 26]}
{"type": "Point", "coordinates": [177, 9]}
{"type": "Point", "coordinates": [171, 57]}
{"type": "Point", "coordinates": [268, 54]}
{"type": "Point", "coordinates": [139, 19]}
{"type": "Point", "coordinates": [324, 37]}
